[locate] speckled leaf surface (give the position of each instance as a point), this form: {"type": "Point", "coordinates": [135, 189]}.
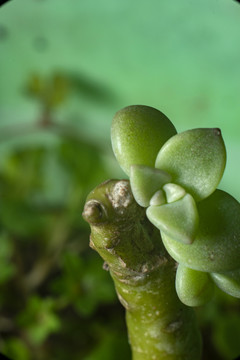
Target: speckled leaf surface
{"type": "Point", "coordinates": [196, 160]}
{"type": "Point", "coordinates": [138, 132]}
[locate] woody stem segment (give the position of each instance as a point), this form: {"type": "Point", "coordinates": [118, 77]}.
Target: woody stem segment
{"type": "Point", "coordinates": [160, 327]}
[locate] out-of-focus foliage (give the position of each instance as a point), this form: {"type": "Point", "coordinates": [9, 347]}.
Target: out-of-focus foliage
{"type": "Point", "coordinates": [53, 292]}
{"type": "Point", "coordinates": [220, 324]}
{"type": "Point", "coordinates": [52, 92]}
{"type": "Point", "coordinates": [56, 300]}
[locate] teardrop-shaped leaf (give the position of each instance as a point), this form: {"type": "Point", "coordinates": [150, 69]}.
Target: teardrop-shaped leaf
{"type": "Point", "coordinates": [138, 132]}
{"type": "Point", "coordinates": [179, 219]}
{"type": "Point", "coordinates": [229, 282]}
{"type": "Point", "coordinates": [196, 160]}
{"type": "Point", "coordinates": [216, 247]}
{"type": "Point", "coordinates": [145, 181]}
{"type": "Point", "coordinates": [159, 198]}
{"type": "Point", "coordinates": [194, 288]}
{"type": "Point", "coordinates": [174, 192]}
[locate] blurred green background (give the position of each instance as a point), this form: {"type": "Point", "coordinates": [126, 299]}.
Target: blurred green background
{"type": "Point", "coordinates": [65, 68]}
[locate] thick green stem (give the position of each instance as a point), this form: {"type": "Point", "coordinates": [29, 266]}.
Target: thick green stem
{"type": "Point", "coordinates": [160, 327]}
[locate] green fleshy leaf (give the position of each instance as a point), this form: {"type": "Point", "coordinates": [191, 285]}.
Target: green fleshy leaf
{"type": "Point", "coordinates": [174, 192]}
{"type": "Point", "coordinates": [138, 132]}
{"type": "Point", "coordinates": [159, 198]}
{"type": "Point", "coordinates": [229, 282]}
{"type": "Point", "coordinates": [196, 160]}
{"type": "Point", "coordinates": [216, 247]}
{"type": "Point", "coordinates": [145, 181]}
{"type": "Point", "coordinates": [178, 220]}
{"type": "Point", "coordinates": [194, 288]}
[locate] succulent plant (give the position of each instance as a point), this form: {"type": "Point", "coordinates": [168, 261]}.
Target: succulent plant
{"type": "Point", "coordinates": [168, 234]}
{"type": "Point", "coordinates": [199, 224]}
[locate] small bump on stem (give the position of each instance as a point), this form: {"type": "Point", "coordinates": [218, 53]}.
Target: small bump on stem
{"type": "Point", "coordinates": [94, 212]}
